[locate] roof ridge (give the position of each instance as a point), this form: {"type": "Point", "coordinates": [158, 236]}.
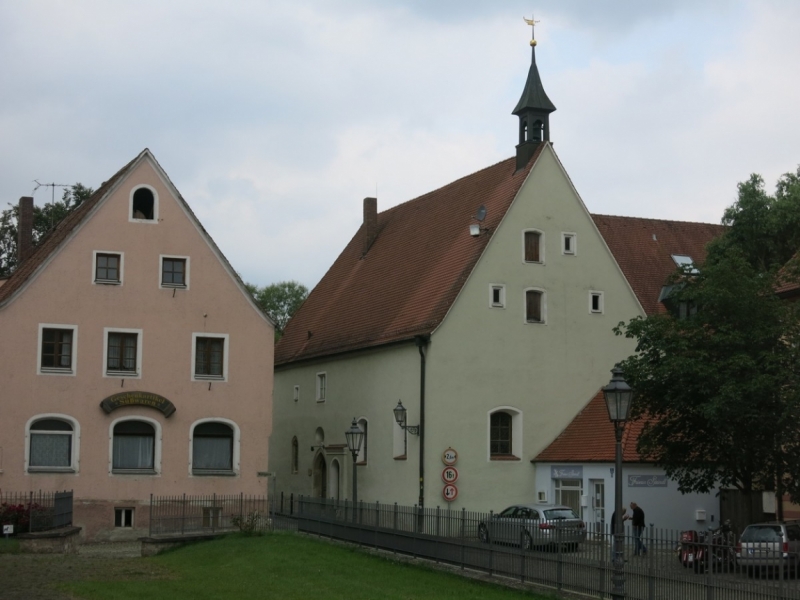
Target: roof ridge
{"type": "Point", "coordinates": [657, 220]}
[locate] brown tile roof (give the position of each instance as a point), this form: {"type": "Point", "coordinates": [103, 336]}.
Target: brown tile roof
{"type": "Point", "coordinates": [412, 273]}
{"type": "Point", "coordinates": [590, 438]}
{"type": "Point", "coordinates": [644, 248]}
{"type": "Point", "coordinates": [56, 236]}
{"type": "Point", "coordinates": [788, 276]}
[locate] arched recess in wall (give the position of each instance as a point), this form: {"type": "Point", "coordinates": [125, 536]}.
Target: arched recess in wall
{"type": "Point", "coordinates": [333, 491]}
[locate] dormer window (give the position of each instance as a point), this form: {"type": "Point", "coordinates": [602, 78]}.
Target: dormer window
{"type": "Point", "coordinates": [683, 261]}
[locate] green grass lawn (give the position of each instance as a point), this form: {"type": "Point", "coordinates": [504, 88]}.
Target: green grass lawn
{"type": "Point", "coordinates": [9, 546]}
{"type": "Point", "coordinates": [288, 566]}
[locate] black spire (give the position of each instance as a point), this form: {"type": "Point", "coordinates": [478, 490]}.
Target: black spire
{"type": "Point", "coordinates": [533, 110]}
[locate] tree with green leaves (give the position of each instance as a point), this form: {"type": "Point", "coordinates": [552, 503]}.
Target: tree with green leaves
{"type": "Point", "coordinates": [45, 218]}
{"type": "Point", "coordinates": [280, 300]}
{"type": "Point", "coordinates": [717, 378]}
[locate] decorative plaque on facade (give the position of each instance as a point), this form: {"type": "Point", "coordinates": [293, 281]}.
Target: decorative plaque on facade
{"type": "Point", "coordinates": [116, 401]}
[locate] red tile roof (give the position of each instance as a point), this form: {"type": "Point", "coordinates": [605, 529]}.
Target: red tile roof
{"type": "Point", "coordinates": [590, 438]}
{"type": "Point", "coordinates": [56, 236]}
{"type": "Point", "coordinates": [789, 286]}
{"type": "Point", "coordinates": [412, 273]}
{"type": "Point", "coordinates": [644, 248]}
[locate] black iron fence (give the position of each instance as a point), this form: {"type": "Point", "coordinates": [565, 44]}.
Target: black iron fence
{"type": "Point", "coordinates": [658, 563]}
{"type": "Point", "coordinates": [35, 511]}
{"type": "Point", "coordinates": [182, 515]}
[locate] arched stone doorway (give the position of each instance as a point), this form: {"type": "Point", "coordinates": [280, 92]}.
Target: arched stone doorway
{"type": "Point", "coordinates": [320, 477]}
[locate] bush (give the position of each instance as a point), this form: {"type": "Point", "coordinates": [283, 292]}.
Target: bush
{"type": "Point", "coordinates": [20, 515]}
{"type": "Point", "coordinates": [253, 524]}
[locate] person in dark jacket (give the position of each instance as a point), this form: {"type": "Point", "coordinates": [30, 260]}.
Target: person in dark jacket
{"type": "Point", "coordinates": [637, 520]}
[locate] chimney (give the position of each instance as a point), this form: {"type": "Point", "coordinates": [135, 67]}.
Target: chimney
{"type": "Point", "coordinates": [370, 222]}
{"type": "Point", "coordinates": [24, 229]}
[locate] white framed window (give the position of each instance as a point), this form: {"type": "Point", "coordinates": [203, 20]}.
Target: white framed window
{"type": "Point", "coordinates": [596, 305]}
{"type": "Point", "coordinates": [504, 433]}
{"type": "Point", "coordinates": [134, 446]}
{"type": "Point", "coordinates": [296, 393]}
{"type": "Point", "coordinates": [535, 306]}
{"type": "Point", "coordinates": [322, 387]}
{"type": "Point", "coordinates": [533, 246]}
{"type": "Point", "coordinates": [122, 353]}
{"type": "Point", "coordinates": [57, 349]}
{"type": "Point", "coordinates": [568, 492]}
{"type": "Point", "coordinates": [123, 517]}
{"type": "Point", "coordinates": [173, 272]}
{"type": "Point", "coordinates": [210, 356]}
{"type": "Point", "coordinates": [497, 295]}
{"type": "Point", "coordinates": [569, 243]}
{"type": "Point", "coordinates": [52, 444]}
{"type": "Point", "coordinates": [108, 267]}
{"type": "Point", "coordinates": [361, 459]}
{"type": "Point", "coordinates": [214, 447]}
{"type": "Point", "coordinates": [143, 205]}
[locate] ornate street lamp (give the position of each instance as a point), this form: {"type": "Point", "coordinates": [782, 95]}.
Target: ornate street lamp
{"type": "Point", "coordinates": [354, 437]}
{"type": "Point", "coordinates": [400, 415]}
{"type": "Point", "coordinates": [619, 397]}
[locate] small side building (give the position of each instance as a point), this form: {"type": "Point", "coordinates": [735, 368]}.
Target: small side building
{"type": "Point", "coordinates": [134, 361]}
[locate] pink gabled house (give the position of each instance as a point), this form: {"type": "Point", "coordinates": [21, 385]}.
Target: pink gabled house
{"type": "Point", "coordinates": [133, 361]}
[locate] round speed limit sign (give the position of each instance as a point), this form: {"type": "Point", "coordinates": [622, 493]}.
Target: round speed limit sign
{"type": "Point", "coordinates": [450, 475]}
{"type": "Point", "coordinates": [450, 492]}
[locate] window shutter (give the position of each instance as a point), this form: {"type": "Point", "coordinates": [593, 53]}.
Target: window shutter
{"type": "Point", "coordinates": [534, 306]}
{"type": "Point", "coordinates": [532, 246]}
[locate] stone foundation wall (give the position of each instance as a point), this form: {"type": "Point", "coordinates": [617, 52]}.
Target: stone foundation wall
{"type": "Point", "coordinates": [56, 541]}
{"type": "Point", "coordinates": [96, 519]}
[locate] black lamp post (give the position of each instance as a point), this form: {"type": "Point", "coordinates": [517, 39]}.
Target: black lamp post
{"type": "Point", "coordinates": [354, 437]}
{"type": "Point", "coordinates": [619, 397]}
{"type": "Point", "coordinates": [400, 415]}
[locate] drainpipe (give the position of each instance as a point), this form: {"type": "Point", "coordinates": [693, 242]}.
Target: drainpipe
{"type": "Point", "coordinates": [422, 341]}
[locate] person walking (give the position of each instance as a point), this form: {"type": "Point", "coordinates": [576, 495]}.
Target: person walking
{"type": "Point", "coordinates": [637, 520]}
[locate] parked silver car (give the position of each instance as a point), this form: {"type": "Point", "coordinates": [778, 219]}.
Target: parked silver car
{"type": "Point", "coordinates": [532, 526]}
{"type": "Point", "coordinates": [775, 544]}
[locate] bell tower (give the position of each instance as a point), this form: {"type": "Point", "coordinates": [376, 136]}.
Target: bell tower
{"type": "Point", "coordinates": [533, 110]}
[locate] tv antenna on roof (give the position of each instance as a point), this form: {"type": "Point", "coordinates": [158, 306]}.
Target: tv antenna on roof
{"type": "Point", "coordinates": [52, 186]}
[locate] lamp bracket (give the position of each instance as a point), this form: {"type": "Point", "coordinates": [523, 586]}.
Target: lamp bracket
{"type": "Point", "coordinates": [412, 429]}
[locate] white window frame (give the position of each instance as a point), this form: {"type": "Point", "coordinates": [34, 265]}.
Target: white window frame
{"type": "Point", "coordinates": [71, 372]}
{"type": "Point", "coordinates": [121, 267]}
{"type": "Point", "coordinates": [235, 461]}
{"type": "Point", "coordinates": [76, 444]}
{"type": "Point", "coordinates": [600, 302]}
{"type": "Point", "coordinates": [502, 288]}
{"type": "Point", "coordinates": [139, 344]}
{"type": "Point", "coordinates": [541, 247]}
{"type": "Point", "coordinates": [154, 220]}
{"type": "Point", "coordinates": [161, 258]}
{"type": "Point", "coordinates": [132, 512]}
{"type": "Point", "coordinates": [572, 236]}
{"type": "Point", "coordinates": [156, 450]}
{"type": "Point", "coordinates": [322, 386]}
{"type": "Point", "coordinates": [225, 352]}
{"type": "Point", "coordinates": [516, 433]}
{"type": "Point", "coordinates": [525, 306]}
{"type": "Point", "coordinates": [558, 488]}
{"type": "Point", "coordinates": [296, 393]}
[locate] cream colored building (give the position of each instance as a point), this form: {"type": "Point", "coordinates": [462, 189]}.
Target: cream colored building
{"type": "Point", "coordinates": [134, 360]}
{"type": "Point", "coordinates": [487, 308]}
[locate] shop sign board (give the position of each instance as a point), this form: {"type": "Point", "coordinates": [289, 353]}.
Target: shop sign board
{"type": "Point", "coordinates": [647, 481]}
{"type": "Point", "coordinates": [566, 472]}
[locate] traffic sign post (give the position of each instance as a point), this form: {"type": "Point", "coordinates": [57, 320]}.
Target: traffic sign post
{"type": "Point", "coordinates": [450, 475]}
{"type": "Point", "coordinates": [450, 457]}
{"type": "Point", "coordinates": [450, 492]}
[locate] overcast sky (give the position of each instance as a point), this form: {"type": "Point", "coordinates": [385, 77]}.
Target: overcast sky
{"type": "Point", "coordinates": [276, 118]}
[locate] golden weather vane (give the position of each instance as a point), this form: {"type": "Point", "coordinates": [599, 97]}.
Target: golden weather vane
{"type": "Point", "coordinates": [532, 22]}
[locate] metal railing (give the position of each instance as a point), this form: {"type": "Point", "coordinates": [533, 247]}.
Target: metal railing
{"type": "Point", "coordinates": [705, 568]}
{"type": "Point", "coordinates": [214, 513]}
{"type": "Point", "coordinates": [36, 511]}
